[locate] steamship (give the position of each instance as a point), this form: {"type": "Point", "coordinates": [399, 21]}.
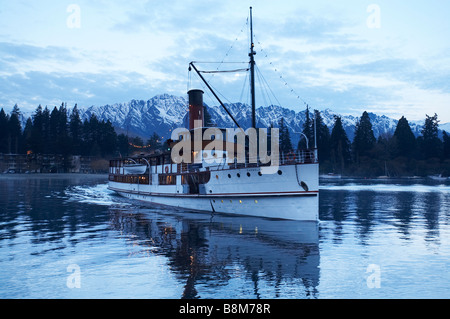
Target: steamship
{"type": "Point", "coordinates": [224, 185]}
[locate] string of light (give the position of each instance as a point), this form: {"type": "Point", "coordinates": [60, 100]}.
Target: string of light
{"type": "Point", "coordinates": [292, 91]}
{"type": "Point", "coordinates": [139, 146]}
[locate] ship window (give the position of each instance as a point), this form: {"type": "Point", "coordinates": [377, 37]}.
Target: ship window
{"type": "Point", "coordinates": [167, 179]}
{"type": "Point", "coordinates": [248, 174]}
{"type": "Point", "coordinates": [256, 202]}
{"type": "Point", "coordinates": [229, 175]}
{"type": "Point", "coordinates": [259, 173]}
{"type": "Point", "coordinates": [238, 175]}
{"type": "Point", "coordinates": [280, 172]}
{"type": "Point", "coordinates": [240, 202]}
{"type": "Point", "coordinates": [217, 176]}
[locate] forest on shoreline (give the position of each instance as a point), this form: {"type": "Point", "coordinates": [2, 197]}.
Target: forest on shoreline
{"type": "Point", "coordinates": [397, 155]}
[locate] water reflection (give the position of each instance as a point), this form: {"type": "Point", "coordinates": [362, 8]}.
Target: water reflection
{"type": "Point", "coordinates": [211, 251]}
{"type": "Point", "coordinates": [48, 223]}
{"type": "Point", "coordinates": [368, 205]}
{"type": "Point", "coordinates": [36, 208]}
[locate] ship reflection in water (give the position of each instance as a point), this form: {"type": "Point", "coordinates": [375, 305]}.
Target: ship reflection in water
{"type": "Point", "coordinates": [126, 250]}
{"type": "Point", "coordinates": [212, 251]}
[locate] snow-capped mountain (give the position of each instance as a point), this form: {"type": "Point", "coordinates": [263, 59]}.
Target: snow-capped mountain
{"type": "Point", "coordinates": [163, 113]}
{"type": "Point", "coordinates": [159, 114]}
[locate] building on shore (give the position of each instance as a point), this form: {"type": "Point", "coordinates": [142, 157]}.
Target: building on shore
{"type": "Point", "coordinates": [51, 163]}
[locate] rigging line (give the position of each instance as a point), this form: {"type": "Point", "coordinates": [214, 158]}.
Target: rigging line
{"type": "Point", "coordinates": [266, 87]}
{"type": "Point", "coordinates": [225, 71]}
{"type": "Point", "coordinates": [243, 86]}
{"type": "Point", "coordinates": [279, 104]}
{"type": "Point", "coordinates": [280, 75]}
{"type": "Point", "coordinates": [212, 62]}
{"type": "Point", "coordinates": [261, 88]}
{"type": "Point", "coordinates": [219, 93]}
{"type": "Point", "coordinates": [224, 97]}
{"type": "Point", "coordinates": [231, 47]}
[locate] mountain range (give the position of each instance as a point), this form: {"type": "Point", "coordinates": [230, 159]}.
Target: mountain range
{"type": "Point", "coordinates": [165, 112]}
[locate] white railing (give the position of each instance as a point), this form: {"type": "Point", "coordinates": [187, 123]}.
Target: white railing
{"type": "Point", "coordinates": [299, 157]}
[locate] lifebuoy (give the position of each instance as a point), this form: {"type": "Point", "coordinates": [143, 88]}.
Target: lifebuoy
{"type": "Point", "coordinates": [167, 169]}
{"type": "Point", "coordinates": [290, 156]}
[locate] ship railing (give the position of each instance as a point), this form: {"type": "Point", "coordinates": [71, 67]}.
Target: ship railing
{"type": "Point", "coordinates": [285, 158]}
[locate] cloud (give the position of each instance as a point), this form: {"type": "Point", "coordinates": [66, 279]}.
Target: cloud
{"type": "Point", "coordinates": [86, 89]}
{"type": "Point", "coordinates": [323, 51]}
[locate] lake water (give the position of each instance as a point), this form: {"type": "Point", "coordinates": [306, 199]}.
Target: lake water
{"type": "Point", "coordinates": [67, 236]}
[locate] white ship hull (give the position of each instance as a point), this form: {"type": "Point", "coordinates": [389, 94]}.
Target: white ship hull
{"type": "Point", "coordinates": [268, 195]}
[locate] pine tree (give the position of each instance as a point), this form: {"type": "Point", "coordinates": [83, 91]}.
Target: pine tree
{"type": "Point", "coordinates": [364, 139]}
{"type": "Point", "coordinates": [4, 120]}
{"type": "Point", "coordinates": [405, 141]}
{"type": "Point", "coordinates": [323, 137]}
{"type": "Point", "coordinates": [339, 145]}
{"type": "Point", "coordinates": [285, 138]}
{"type": "Point", "coordinates": [46, 142]}
{"type": "Point", "coordinates": [154, 142]}
{"type": "Point", "coordinates": [446, 145]}
{"type": "Point", "coordinates": [75, 130]}
{"type": "Point", "coordinates": [64, 145]}
{"type": "Point", "coordinates": [27, 136]}
{"type": "Point", "coordinates": [207, 117]}
{"type": "Point", "coordinates": [308, 131]}
{"type": "Point", "coordinates": [108, 138]}
{"type": "Point", "coordinates": [122, 145]}
{"type": "Point", "coordinates": [15, 131]}
{"type": "Point", "coordinates": [37, 136]}
{"type": "Point", "coordinates": [53, 129]}
{"type": "Point", "coordinates": [430, 143]}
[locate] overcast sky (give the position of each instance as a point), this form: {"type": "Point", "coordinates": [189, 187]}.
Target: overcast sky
{"type": "Point", "coordinates": [388, 57]}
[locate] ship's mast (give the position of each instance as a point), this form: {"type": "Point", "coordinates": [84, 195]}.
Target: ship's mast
{"type": "Point", "coordinates": [252, 71]}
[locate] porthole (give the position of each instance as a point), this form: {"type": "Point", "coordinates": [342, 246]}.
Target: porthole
{"type": "Point", "coordinates": [248, 174]}
{"type": "Point", "coordinates": [210, 190]}
{"type": "Point", "coordinates": [238, 175]}
{"type": "Point", "coordinates": [229, 175]}
{"type": "Point", "coordinates": [280, 172]}
{"type": "Point", "coordinates": [256, 201]}
{"type": "Point", "coordinates": [217, 176]}
{"type": "Point", "coordinates": [240, 201]}
{"type": "Point", "coordinates": [259, 173]}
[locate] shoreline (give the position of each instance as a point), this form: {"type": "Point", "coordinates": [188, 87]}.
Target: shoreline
{"type": "Point", "coordinates": [54, 175]}
{"type": "Point", "coordinates": [383, 179]}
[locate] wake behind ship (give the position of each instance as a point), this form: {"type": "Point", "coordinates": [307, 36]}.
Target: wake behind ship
{"type": "Point", "coordinates": [222, 174]}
